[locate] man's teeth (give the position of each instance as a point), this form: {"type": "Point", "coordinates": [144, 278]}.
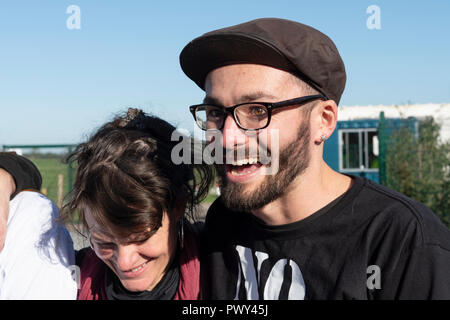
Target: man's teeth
{"type": "Point", "coordinates": [235, 173]}
{"type": "Point", "coordinates": [242, 162]}
{"type": "Point", "coordinates": [245, 161]}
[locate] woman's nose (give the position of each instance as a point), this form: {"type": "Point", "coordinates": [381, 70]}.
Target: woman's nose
{"type": "Point", "coordinates": [125, 257]}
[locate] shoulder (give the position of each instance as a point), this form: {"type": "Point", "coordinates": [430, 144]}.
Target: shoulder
{"type": "Point", "coordinates": [92, 275]}
{"type": "Point", "coordinates": [33, 198]}
{"type": "Point", "coordinates": [194, 228]}
{"type": "Point", "coordinates": [219, 214]}
{"type": "Point", "coordinates": [189, 285]}
{"type": "Point", "coordinates": [223, 224]}
{"type": "Point", "coordinates": [37, 250]}
{"type": "Point", "coordinates": [192, 236]}
{"type": "Point", "coordinates": [88, 261]}
{"type": "Point", "coordinates": [32, 213]}
{"type": "Point", "coordinates": [81, 254]}
{"type": "Point", "coordinates": [391, 210]}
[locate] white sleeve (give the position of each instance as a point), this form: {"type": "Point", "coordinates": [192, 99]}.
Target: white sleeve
{"type": "Point", "coordinates": [38, 259]}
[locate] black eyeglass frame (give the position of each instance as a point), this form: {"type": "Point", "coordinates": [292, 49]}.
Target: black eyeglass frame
{"type": "Point", "coordinates": [269, 105]}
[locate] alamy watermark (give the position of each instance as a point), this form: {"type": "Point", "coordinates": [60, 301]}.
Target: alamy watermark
{"type": "Point", "coordinates": [255, 150]}
{"type": "Point", "coordinates": [73, 22]}
{"type": "Point", "coordinates": [374, 20]}
{"type": "Point", "coordinates": [374, 280]}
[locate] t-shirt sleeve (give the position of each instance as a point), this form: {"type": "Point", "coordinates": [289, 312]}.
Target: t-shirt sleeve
{"type": "Point", "coordinates": [26, 175]}
{"type": "Point", "coordinates": [412, 249]}
{"type": "Point", "coordinates": [426, 274]}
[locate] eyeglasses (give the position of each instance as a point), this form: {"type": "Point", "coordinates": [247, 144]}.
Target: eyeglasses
{"type": "Point", "coordinates": [248, 116]}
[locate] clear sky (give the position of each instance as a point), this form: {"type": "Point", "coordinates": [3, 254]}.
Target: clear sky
{"type": "Point", "coordinates": [57, 85]}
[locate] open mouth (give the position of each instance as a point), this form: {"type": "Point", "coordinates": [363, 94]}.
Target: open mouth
{"type": "Point", "coordinates": [240, 170]}
{"type": "Point", "coordinates": [243, 167]}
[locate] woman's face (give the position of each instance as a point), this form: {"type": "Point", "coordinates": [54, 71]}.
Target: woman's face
{"type": "Point", "coordinates": [138, 265]}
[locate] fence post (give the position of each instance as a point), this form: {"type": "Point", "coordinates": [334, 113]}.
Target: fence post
{"type": "Point", "coordinates": [69, 171]}
{"type": "Point", "coordinates": [382, 148]}
{"type": "Point", "coordinates": [60, 190]}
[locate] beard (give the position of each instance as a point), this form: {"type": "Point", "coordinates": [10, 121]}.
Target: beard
{"type": "Point", "coordinates": [293, 161]}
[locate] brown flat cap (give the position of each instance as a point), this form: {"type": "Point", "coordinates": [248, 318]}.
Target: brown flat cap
{"type": "Point", "coordinates": [278, 43]}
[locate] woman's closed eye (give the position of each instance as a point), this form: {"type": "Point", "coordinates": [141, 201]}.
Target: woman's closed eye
{"type": "Point", "coordinates": [105, 244]}
{"type": "Point", "coordinates": [101, 243]}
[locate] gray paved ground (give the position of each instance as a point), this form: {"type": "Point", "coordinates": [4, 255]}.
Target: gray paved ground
{"type": "Point", "coordinates": [80, 241]}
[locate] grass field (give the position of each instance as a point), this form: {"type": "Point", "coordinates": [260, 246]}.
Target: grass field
{"type": "Point", "coordinates": [50, 168]}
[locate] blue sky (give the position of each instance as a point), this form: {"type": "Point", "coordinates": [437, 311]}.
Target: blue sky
{"type": "Point", "coordinates": [58, 85]}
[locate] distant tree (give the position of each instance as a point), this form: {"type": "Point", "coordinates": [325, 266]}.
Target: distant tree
{"type": "Point", "coordinates": [420, 167]}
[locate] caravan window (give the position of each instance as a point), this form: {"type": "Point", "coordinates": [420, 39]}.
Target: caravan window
{"type": "Point", "coordinates": [358, 149]}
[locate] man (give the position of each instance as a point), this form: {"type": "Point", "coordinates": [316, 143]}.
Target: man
{"type": "Point", "coordinates": [303, 231]}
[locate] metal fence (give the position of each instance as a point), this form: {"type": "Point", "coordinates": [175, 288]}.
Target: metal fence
{"type": "Point", "coordinates": [50, 159]}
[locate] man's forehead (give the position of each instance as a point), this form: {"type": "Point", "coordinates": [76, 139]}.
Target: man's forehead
{"type": "Point", "coordinates": [251, 96]}
{"type": "Point", "coordinates": [247, 71]}
{"type": "Point", "coordinates": [239, 83]}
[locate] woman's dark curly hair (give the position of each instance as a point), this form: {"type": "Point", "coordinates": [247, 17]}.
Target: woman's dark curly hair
{"type": "Point", "coordinates": [127, 179]}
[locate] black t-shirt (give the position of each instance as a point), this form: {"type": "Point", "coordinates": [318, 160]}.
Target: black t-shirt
{"type": "Point", "coordinates": [370, 243]}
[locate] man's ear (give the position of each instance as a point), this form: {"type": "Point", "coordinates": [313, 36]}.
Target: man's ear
{"type": "Point", "coordinates": [326, 120]}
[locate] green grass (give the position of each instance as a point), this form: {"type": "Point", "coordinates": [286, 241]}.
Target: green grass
{"type": "Point", "coordinates": [210, 198]}
{"type": "Point", "coordinates": [50, 169]}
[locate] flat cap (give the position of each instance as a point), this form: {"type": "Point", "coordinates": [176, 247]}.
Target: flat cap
{"type": "Point", "coordinates": [279, 43]}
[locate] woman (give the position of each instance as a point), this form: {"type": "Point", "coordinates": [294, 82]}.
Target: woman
{"type": "Point", "coordinates": [131, 198]}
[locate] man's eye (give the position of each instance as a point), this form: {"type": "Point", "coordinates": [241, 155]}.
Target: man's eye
{"type": "Point", "coordinates": [214, 113]}
{"type": "Point", "coordinates": [257, 111]}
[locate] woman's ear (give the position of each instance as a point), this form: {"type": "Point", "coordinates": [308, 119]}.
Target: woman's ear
{"type": "Point", "coordinates": [327, 119]}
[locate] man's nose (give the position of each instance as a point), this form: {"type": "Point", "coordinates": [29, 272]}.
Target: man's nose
{"type": "Point", "coordinates": [232, 135]}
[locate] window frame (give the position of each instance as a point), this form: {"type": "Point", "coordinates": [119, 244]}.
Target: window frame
{"type": "Point", "coordinates": [362, 134]}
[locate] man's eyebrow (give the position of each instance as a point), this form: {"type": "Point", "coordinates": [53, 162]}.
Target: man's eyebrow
{"type": "Point", "coordinates": [249, 97]}
{"type": "Point", "coordinates": [211, 100]}
{"type": "Point", "coordinates": [255, 96]}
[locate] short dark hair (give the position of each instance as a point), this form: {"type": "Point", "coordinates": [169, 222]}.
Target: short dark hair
{"type": "Point", "coordinates": [126, 177]}
{"type": "Point", "coordinates": [307, 90]}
